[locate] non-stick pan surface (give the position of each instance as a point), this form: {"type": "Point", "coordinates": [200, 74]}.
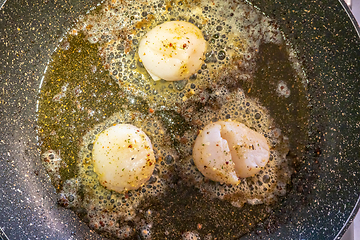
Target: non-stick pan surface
{"type": "Point", "coordinates": [325, 193]}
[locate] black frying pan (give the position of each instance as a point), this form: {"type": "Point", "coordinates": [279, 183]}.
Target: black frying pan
{"type": "Point", "coordinates": [325, 192]}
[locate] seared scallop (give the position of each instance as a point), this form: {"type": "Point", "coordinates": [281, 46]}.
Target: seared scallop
{"type": "Point", "coordinates": [226, 151]}
{"type": "Point", "coordinates": [123, 157]}
{"type": "Point", "coordinates": [172, 50]}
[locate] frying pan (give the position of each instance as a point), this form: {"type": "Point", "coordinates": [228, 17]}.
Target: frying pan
{"type": "Point", "coordinates": [324, 195]}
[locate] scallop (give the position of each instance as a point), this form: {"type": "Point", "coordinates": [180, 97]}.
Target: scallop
{"type": "Point", "coordinates": [123, 157]}
{"type": "Point", "coordinates": [172, 51]}
{"type": "Point", "coordinates": [226, 151]}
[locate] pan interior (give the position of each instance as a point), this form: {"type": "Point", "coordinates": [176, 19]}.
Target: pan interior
{"type": "Point", "coordinates": [86, 89]}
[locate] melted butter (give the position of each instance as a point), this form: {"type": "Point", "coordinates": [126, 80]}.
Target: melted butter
{"type": "Point", "coordinates": [94, 83]}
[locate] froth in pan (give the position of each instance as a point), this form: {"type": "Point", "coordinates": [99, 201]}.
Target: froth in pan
{"type": "Point", "coordinates": [233, 33]}
{"type": "Point", "coordinates": [111, 211]}
{"type": "Point", "coordinates": [265, 185]}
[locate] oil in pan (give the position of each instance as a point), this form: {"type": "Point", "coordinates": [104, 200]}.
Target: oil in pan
{"type": "Point", "coordinates": [96, 80]}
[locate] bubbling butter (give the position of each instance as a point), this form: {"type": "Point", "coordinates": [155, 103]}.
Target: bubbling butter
{"type": "Point", "coordinates": [233, 33]}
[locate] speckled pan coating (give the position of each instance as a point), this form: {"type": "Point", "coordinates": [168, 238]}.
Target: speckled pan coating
{"type": "Point", "coordinates": [326, 191]}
